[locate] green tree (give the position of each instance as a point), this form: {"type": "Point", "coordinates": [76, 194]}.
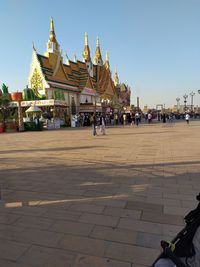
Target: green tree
{"type": "Point", "coordinates": [4, 104]}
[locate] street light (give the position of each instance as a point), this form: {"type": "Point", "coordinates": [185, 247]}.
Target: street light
{"type": "Point", "coordinates": [185, 101]}
{"type": "Point", "coordinates": [178, 100]}
{"type": "Point", "coordinates": [192, 96]}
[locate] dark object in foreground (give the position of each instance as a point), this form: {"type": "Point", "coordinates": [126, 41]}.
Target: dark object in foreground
{"type": "Point", "coordinates": [182, 245]}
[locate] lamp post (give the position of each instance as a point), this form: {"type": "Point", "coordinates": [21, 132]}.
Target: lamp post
{"type": "Point", "coordinates": [178, 103]}
{"type": "Point", "coordinates": [192, 96]}
{"type": "Point", "coordinates": [185, 101]}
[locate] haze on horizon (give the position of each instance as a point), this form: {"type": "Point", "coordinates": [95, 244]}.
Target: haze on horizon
{"type": "Point", "coordinates": [155, 44]}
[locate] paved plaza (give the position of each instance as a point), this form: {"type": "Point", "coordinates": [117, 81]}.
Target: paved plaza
{"type": "Point", "coordinates": [69, 199]}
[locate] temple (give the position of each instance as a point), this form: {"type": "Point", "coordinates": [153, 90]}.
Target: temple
{"type": "Point", "coordinates": [82, 86]}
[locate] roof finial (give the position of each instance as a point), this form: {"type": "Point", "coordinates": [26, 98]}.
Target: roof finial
{"type": "Point", "coordinates": [107, 55]}
{"type": "Point", "coordinates": [33, 45]}
{"type": "Point", "coordinates": [107, 65]}
{"type": "Point", "coordinates": [97, 42]}
{"type": "Point", "coordinates": [86, 51]}
{"type": "Point", "coordinates": [67, 59]}
{"type": "Point", "coordinates": [86, 38]}
{"type": "Point", "coordinates": [75, 57]}
{"type": "Point", "coordinates": [116, 78]}
{"type": "Point", "coordinates": [52, 35]}
{"type": "Point", "coordinates": [98, 58]}
{"type": "Point", "coordinates": [51, 25]}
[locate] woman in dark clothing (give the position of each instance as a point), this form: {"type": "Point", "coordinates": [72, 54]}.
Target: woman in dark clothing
{"type": "Point", "coordinates": [164, 118]}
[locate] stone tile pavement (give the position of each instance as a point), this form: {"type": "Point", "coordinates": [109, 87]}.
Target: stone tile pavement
{"type": "Point", "coordinates": [69, 199]}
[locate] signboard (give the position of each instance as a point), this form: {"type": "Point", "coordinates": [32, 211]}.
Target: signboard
{"type": "Point", "coordinates": [88, 91]}
{"type": "Point", "coordinates": [40, 103]}
{"type": "Point", "coordinates": [86, 108]}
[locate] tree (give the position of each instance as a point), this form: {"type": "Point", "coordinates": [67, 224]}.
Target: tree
{"type": "Point", "coordinates": [4, 104]}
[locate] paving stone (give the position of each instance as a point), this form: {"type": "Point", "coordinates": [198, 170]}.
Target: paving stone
{"type": "Point", "coordinates": [124, 213]}
{"type": "Point", "coordinates": [8, 218]}
{"type": "Point", "coordinates": [136, 225]}
{"type": "Point", "coordinates": [34, 222]}
{"type": "Point", "coordinates": [134, 254]}
{"type": "Point", "coordinates": [24, 210]}
{"type": "Point", "coordinates": [176, 210]}
{"type": "Point", "coordinates": [179, 196]}
{"type": "Point", "coordinates": [99, 219]}
{"type": "Point", "coordinates": [164, 201]}
{"type": "Point", "coordinates": [110, 202]}
{"type": "Point", "coordinates": [11, 250]}
{"type": "Point", "coordinates": [114, 234]}
{"type": "Point", "coordinates": [87, 208]}
{"type": "Point", "coordinates": [149, 240]}
{"type": "Point", "coordinates": [33, 236]}
{"type": "Point", "coordinates": [85, 245]}
{"type": "Point", "coordinates": [86, 261]}
{"type": "Point", "coordinates": [10, 263]}
{"type": "Point", "coordinates": [162, 218]}
{"type": "Point", "coordinates": [62, 215]}
{"type": "Point", "coordinates": [76, 228]}
{"type": "Point", "coordinates": [39, 256]}
{"type": "Point", "coordinates": [134, 205]}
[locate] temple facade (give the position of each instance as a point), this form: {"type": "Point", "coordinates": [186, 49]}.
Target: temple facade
{"type": "Point", "coordinates": [82, 86]}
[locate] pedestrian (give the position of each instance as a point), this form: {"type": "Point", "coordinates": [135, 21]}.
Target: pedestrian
{"type": "Point", "coordinates": [102, 125]}
{"type": "Point", "coordinates": [124, 119]}
{"type": "Point", "coordinates": [93, 122]}
{"type": "Point", "coordinates": [187, 118]}
{"type": "Point", "coordinates": [164, 118]}
{"type": "Point", "coordinates": [149, 117]}
{"type": "Point", "coordinates": [137, 118]}
{"type": "Point", "coordinates": [132, 119]}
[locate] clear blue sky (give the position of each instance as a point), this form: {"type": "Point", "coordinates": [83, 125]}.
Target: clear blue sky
{"type": "Point", "coordinates": [155, 44]}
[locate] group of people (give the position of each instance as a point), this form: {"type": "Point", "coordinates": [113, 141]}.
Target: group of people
{"type": "Point", "coordinates": [95, 122]}
{"type": "Point", "coordinates": [102, 120]}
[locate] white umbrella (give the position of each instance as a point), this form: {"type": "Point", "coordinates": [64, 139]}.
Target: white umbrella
{"type": "Point", "coordinates": [33, 109]}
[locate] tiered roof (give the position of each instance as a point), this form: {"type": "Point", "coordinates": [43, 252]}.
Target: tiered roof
{"type": "Point", "coordinates": [75, 76]}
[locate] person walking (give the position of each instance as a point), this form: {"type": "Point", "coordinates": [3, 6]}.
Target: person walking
{"type": "Point", "coordinates": [102, 125]}
{"type": "Point", "coordinates": [187, 118]}
{"type": "Point", "coordinates": [124, 119]}
{"type": "Point", "coordinates": [164, 118]}
{"type": "Point", "coordinates": [149, 117]}
{"type": "Point", "coordinates": [93, 122]}
{"type": "Point", "coordinates": [137, 118]}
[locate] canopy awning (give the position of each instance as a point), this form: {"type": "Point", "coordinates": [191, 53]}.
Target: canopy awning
{"type": "Point", "coordinates": [33, 109]}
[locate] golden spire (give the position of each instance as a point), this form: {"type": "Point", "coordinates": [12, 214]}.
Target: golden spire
{"type": "Point", "coordinates": [107, 64]}
{"type": "Point", "coordinates": [116, 78]}
{"type": "Point", "coordinates": [52, 35]}
{"type": "Point", "coordinates": [98, 58]}
{"type": "Point", "coordinates": [86, 38]}
{"type": "Point", "coordinates": [86, 51]}
{"type": "Point", "coordinates": [52, 44]}
{"type": "Point", "coordinates": [67, 59]}
{"type": "Point", "coordinates": [97, 42]}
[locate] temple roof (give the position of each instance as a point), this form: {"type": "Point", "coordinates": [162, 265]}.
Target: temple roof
{"type": "Point", "coordinates": [76, 75]}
